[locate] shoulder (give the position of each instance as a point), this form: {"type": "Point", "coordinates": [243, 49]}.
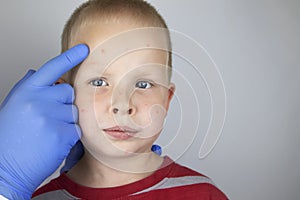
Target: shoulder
{"type": "Point", "coordinates": [189, 184]}
{"type": "Point", "coordinates": [178, 170]}
{"type": "Point", "coordinates": [55, 188]}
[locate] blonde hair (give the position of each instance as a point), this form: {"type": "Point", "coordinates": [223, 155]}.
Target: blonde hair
{"type": "Point", "coordinates": [107, 10]}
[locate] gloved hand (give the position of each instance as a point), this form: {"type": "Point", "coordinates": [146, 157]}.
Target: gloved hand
{"type": "Point", "coordinates": [38, 126]}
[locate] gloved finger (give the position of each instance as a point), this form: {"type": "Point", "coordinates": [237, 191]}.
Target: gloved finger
{"type": "Point", "coordinates": [70, 134]}
{"type": "Point", "coordinates": [63, 93]}
{"type": "Point", "coordinates": [67, 113]}
{"type": "Point", "coordinates": [56, 67]}
{"type": "Point", "coordinates": [74, 156]}
{"type": "Point", "coordinates": [16, 86]}
{"type": "Point", "coordinates": [156, 149]}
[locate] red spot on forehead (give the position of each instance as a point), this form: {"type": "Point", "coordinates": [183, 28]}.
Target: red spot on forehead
{"type": "Point", "coordinates": [102, 50]}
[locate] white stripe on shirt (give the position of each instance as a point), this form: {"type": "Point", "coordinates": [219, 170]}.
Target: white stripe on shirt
{"type": "Point", "coordinates": [176, 182]}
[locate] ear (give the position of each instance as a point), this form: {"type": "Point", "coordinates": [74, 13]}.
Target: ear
{"type": "Point", "coordinates": [171, 92]}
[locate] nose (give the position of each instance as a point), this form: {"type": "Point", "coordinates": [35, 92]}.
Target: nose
{"type": "Point", "coordinates": [129, 111]}
{"type": "Point", "coordinates": [122, 100]}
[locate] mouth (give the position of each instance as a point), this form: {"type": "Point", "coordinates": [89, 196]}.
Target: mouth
{"type": "Point", "coordinates": [120, 132]}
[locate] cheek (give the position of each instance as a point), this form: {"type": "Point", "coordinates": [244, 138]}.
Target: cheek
{"type": "Point", "coordinates": [83, 102]}
{"type": "Point", "coordinates": [88, 106]}
{"type": "Point", "coordinates": [149, 102]}
{"type": "Point", "coordinates": [91, 100]}
{"type": "Point", "coordinates": [152, 121]}
{"type": "Point", "coordinates": [101, 101]}
{"type": "Point", "coordinates": [101, 105]}
{"type": "Point", "coordinates": [150, 115]}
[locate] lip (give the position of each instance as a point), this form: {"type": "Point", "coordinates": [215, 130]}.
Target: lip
{"type": "Point", "coordinates": [120, 132]}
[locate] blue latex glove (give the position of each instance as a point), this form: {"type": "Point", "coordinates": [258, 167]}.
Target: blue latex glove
{"type": "Point", "coordinates": [74, 156]}
{"type": "Point", "coordinates": [156, 149]}
{"type": "Point", "coordinates": [38, 126]}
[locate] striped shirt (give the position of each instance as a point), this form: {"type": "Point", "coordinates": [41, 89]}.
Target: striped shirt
{"type": "Point", "coordinates": [171, 181]}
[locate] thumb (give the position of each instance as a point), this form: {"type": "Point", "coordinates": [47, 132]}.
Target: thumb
{"type": "Point", "coordinates": [74, 156]}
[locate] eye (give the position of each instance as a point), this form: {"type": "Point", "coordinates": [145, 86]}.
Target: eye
{"type": "Point", "coordinates": [98, 83]}
{"type": "Point", "coordinates": [143, 85]}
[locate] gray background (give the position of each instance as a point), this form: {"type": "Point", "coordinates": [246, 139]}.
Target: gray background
{"type": "Point", "coordinates": [256, 46]}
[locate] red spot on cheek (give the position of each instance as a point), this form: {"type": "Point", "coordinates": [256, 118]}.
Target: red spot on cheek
{"type": "Point", "coordinates": [82, 110]}
{"type": "Point", "coordinates": [148, 45]}
{"type": "Point", "coordinates": [102, 51]}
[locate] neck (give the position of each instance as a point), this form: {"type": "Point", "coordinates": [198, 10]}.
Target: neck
{"type": "Point", "coordinates": [112, 172]}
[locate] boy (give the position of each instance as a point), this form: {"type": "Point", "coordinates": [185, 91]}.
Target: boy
{"type": "Point", "coordinates": [123, 91]}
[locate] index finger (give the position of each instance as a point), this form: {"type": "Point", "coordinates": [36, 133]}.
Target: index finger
{"type": "Point", "coordinates": [56, 67]}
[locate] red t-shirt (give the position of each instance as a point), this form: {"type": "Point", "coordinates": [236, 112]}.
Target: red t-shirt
{"type": "Point", "coordinates": [171, 181]}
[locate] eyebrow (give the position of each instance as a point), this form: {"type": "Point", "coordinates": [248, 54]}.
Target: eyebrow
{"type": "Point", "coordinates": [100, 71]}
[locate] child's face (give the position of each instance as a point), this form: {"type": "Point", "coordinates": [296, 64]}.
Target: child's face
{"type": "Point", "coordinates": [122, 89]}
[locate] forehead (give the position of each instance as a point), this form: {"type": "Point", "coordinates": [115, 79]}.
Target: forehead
{"type": "Point", "coordinates": [120, 35]}
{"type": "Point", "coordinates": [123, 45]}
{"type": "Point", "coordinates": [139, 62]}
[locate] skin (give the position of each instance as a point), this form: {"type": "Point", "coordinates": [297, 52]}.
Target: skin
{"type": "Point", "coordinates": [137, 85]}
